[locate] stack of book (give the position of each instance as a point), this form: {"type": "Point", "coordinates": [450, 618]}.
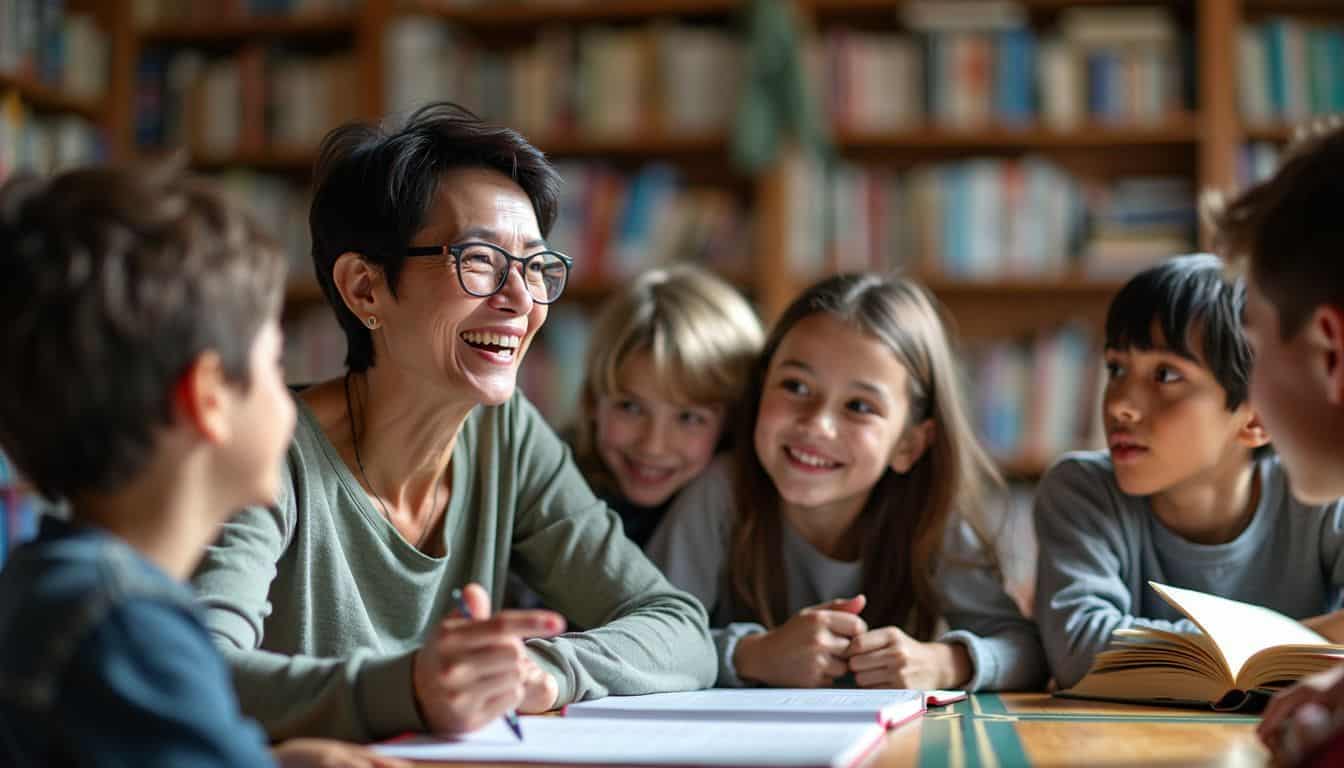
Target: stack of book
{"type": "Point", "coordinates": [617, 225]}
{"type": "Point", "coordinates": [204, 12]}
{"type": "Point", "coordinates": [281, 205]}
{"type": "Point", "coordinates": [42, 41]}
{"type": "Point", "coordinates": [43, 144]}
{"type": "Point", "coordinates": [1037, 399]}
{"type": "Point", "coordinates": [972, 64]}
{"type": "Point", "coordinates": [19, 510]}
{"type": "Point", "coordinates": [1137, 222]}
{"type": "Point", "coordinates": [976, 219]}
{"type": "Point", "coordinates": [594, 82]}
{"type": "Point", "coordinates": [1290, 69]}
{"type": "Point", "coordinates": [254, 100]}
{"type": "Point", "coordinates": [314, 345]}
{"type": "Point", "coordinates": [1258, 161]}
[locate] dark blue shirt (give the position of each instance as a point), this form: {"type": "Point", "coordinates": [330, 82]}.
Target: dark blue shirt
{"type": "Point", "coordinates": [104, 661]}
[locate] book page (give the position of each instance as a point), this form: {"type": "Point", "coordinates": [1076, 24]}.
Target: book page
{"type": "Point", "coordinates": [1237, 629]}
{"type": "Point", "coordinates": [774, 704]}
{"type": "Point", "coordinates": [650, 742]}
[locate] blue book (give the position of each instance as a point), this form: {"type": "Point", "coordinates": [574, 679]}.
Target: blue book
{"type": "Point", "coordinates": [1276, 34]}
{"type": "Point", "coordinates": [1015, 76]}
{"type": "Point", "coordinates": [1335, 65]}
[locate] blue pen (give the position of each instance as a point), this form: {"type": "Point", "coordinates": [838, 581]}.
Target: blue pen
{"type": "Point", "coordinates": [510, 717]}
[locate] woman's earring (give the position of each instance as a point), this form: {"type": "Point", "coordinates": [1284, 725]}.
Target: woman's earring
{"type": "Point", "coordinates": [372, 321]}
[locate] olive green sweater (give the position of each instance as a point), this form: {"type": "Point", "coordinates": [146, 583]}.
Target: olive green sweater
{"type": "Point", "coordinates": [319, 604]}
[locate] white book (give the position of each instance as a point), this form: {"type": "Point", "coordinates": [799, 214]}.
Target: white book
{"type": "Point", "coordinates": [727, 727]}
{"type": "Point", "coordinates": [811, 705]}
{"type": "Point", "coordinates": [614, 741]}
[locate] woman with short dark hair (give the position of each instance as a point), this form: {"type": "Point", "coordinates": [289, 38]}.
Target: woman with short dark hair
{"type": "Point", "coordinates": [422, 470]}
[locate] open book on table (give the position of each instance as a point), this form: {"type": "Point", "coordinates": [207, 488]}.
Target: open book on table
{"type": "Point", "coordinates": [1242, 650]}
{"type": "Point", "coordinates": [727, 727]}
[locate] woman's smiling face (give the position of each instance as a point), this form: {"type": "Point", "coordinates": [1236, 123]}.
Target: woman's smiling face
{"type": "Point", "coordinates": [436, 329]}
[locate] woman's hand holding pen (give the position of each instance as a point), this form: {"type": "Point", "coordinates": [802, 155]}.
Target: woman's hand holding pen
{"type": "Point", "coordinates": [807, 651]}
{"type": "Point", "coordinates": [469, 672]}
{"type": "Point", "coordinates": [886, 657]}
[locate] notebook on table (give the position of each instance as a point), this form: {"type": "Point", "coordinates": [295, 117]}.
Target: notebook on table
{"type": "Point", "coordinates": [727, 727]}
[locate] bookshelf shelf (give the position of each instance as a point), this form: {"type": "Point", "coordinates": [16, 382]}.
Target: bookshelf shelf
{"type": "Point", "coordinates": [1281, 132]}
{"type": "Point", "coordinates": [499, 14]}
{"type": "Point", "coordinates": [251, 28]}
{"type": "Point", "coordinates": [1291, 6]}
{"type": "Point", "coordinates": [276, 160]}
{"type": "Point", "coordinates": [1022, 287]}
{"type": "Point", "coordinates": [650, 145]}
{"type": "Point", "coordinates": [1182, 129]}
{"type": "Point", "coordinates": [1023, 468]}
{"type": "Point", "coordinates": [303, 293]}
{"type": "Point", "coordinates": [45, 98]}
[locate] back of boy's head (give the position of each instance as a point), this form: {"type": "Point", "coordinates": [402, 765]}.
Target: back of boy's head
{"type": "Point", "coordinates": [1290, 230]}
{"type": "Point", "coordinates": [700, 333]}
{"type": "Point", "coordinates": [115, 282]}
{"type": "Point", "coordinates": [1188, 299]}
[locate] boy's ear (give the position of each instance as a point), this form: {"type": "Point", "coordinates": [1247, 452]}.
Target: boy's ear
{"type": "Point", "coordinates": [355, 279]}
{"type": "Point", "coordinates": [202, 397]}
{"type": "Point", "coordinates": [911, 446]}
{"type": "Point", "coordinates": [1324, 336]}
{"type": "Point", "coordinates": [1253, 433]}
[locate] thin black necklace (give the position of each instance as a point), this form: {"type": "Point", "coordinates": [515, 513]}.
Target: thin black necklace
{"type": "Point", "coordinates": [354, 434]}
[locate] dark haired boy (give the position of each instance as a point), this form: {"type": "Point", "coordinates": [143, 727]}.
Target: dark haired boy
{"type": "Point", "coordinates": [142, 344]}
{"type": "Point", "coordinates": [1289, 233]}
{"type": "Point", "coordinates": [1189, 493]}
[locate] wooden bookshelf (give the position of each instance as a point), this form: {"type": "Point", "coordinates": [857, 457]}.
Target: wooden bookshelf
{"type": "Point", "coordinates": [655, 144]}
{"type": "Point", "coordinates": [287, 161]}
{"type": "Point", "coordinates": [45, 98]}
{"type": "Point", "coordinates": [1202, 144]}
{"type": "Point", "coordinates": [240, 29]}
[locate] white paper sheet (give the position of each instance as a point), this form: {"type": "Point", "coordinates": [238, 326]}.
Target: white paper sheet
{"type": "Point", "coordinates": [650, 742]}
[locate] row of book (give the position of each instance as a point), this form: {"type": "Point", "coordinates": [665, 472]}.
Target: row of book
{"type": "Point", "coordinates": [1032, 400]}
{"type": "Point", "coordinates": [1258, 161]}
{"type": "Point", "coordinates": [150, 12]}
{"type": "Point", "coordinates": [596, 81]}
{"type": "Point", "coordinates": [42, 40]}
{"type": "Point", "coordinates": [983, 219]}
{"type": "Point", "coordinates": [1290, 69]}
{"type": "Point", "coordinates": [20, 510]}
{"type": "Point", "coordinates": [616, 224]}
{"type": "Point", "coordinates": [281, 205]}
{"type": "Point", "coordinates": [255, 99]}
{"type": "Point", "coordinates": [967, 70]}
{"type": "Point", "coordinates": [314, 345]}
{"type": "Point", "coordinates": [40, 144]}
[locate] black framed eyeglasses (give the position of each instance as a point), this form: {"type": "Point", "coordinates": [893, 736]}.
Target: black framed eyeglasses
{"type": "Point", "coordinates": [483, 268]}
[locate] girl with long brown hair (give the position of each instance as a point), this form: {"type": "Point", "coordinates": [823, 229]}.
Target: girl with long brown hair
{"type": "Point", "coordinates": [844, 532]}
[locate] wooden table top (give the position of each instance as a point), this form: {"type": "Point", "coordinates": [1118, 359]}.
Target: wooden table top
{"type": "Point", "coordinates": [1018, 729]}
